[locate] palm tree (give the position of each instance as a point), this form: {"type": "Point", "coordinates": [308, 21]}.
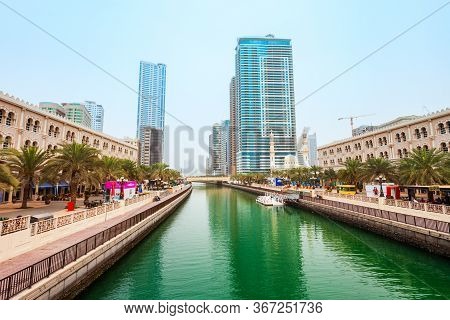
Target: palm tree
{"type": "Point", "coordinates": [6, 178]}
{"type": "Point", "coordinates": [111, 168]}
{"type": "Point", "coordinates": [425, 167]}
{"type": "Point", "coordinates": [27, 164]}
{"type": "Point", "coordinates": [76, 163]}
{"type": "Point", "coordinates": [316, 171]}
{"type": "Point", "coordinates": [329, 175]}
{"type": "Point", "coordinates": [130, 169]}
{"type": "Point", "coordinates": [159, 172]}
{"type": "Point", "coordinates": [352, 172]}
{"type": "Point", "coordinates": [376, 167]}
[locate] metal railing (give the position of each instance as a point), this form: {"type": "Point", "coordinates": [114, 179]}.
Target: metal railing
{"type": "Point", "coordinates": [25, 278]}
{"type": "Point", "coordinates": [18, 224]}
{"type": "Point", "coordinates": [421, 222]}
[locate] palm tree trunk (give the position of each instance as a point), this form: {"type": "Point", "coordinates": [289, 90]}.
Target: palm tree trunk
{"type": "Point", "coordinates": [73, 192]}
{"type": "Point", "coordinates": [26, 191]}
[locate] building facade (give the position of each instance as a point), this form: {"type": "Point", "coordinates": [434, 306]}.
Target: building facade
{"type": "Point", "coordinates": [97, 115]}
{"type": "Point", "coordinates": [393, 140]}
{"type": "Point", "coordinates": [24, 124]}
{"type": "Point", "coordinates": [78, 114]}
{"type": "Point", "coordinates": [264, 102]}
{"type": "Point", "coordinates": [150, 145]}
{"type": "Point", "coordinates": [233, 142]}
{"type": "Point", "coordinates": [215, 150]}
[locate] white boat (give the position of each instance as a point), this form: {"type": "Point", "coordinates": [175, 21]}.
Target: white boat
{"type": "Point", "coordinates": [270, 200]}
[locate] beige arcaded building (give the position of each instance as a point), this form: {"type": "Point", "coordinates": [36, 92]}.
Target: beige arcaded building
{"type": "Point", "coordinates": [24, 124]}
{"type": "Point", "coordinates": [393, 140]}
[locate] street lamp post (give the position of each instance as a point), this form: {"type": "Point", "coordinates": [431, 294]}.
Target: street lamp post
{"type": "Point", "coordinates": [381, 179]}
{"type": "Point", "coordinates": [121, 188]}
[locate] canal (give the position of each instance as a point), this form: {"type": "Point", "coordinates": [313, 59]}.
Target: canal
{"type": "Point", "coordinates": [221, 244]}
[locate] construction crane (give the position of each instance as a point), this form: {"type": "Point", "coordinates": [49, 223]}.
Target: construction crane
{"type": "Point", "coordinates": [355, 117]}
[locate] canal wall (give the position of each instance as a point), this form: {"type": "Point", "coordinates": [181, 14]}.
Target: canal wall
{"type": "Point", "coordinates": [71, 280]}
{"type": "Point", "coordinates": [429, 234]}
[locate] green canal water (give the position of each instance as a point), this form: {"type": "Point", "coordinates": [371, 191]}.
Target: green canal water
{"type": "Point", "coordinates": [221, 244]}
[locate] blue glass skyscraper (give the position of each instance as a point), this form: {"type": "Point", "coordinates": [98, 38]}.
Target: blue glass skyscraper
{"type": "Point", "coordinates": [265, 102]}
{"type": "Point", "coordinates": [152, 96]}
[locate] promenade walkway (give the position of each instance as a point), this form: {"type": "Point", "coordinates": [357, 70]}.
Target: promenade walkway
{"type": "Point", "coordinates": [21, 261]}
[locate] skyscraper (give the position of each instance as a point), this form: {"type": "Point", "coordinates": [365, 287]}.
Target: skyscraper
{"type": "Point", "coordinates": [97, 114]}
{"type": "Point", "coordinates": [264, 102]}
{"type": "Point", "coordinates": [151, 103]}
{"type": "Point", "coordinates": [233, 142]}
{"type": "Point", "coordinates": [225, 156]}
{"type": "Point", "coordinates": [312, 147]}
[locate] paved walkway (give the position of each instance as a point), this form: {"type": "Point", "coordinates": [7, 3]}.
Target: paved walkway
{"type": "Point", "coordinates": [24, 260]}
{"type": "Point", "coordinates": [57, 208]}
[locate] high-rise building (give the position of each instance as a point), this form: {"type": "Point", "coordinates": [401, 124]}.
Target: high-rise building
{"type": "Point", "coordinates": [225, 156]}
{"type": "Point", "coordinates": [215, 150]}
{"type": "Point", "coordinates": [77, 113]}
{"type": "Point", "coordinates": [233, 142]}
{"type": "Point", "coordinates": [97, 114]}
{"type": "Point", "coordinates": [312, 148]}
{"type": "Point", "coordinates": [150, 145]}
{"type": "Point", "coordinates": [152, 95]}
{"type": "Point", "coordinates": [53, 108]}
{"type": "Point", "coordinates": [265, 102]}
{"type": "Point", "coordinates": [151, 103]}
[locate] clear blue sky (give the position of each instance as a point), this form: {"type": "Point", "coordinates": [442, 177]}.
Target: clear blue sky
{"type": "Point", "coordinates": [196, 39]}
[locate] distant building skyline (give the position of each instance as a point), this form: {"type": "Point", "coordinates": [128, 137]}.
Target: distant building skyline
{"type": "Point", "coordinates": [265, 102]}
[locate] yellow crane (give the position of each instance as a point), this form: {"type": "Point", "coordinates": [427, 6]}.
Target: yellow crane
{"type": "Point", "coordinates": [355, 117]}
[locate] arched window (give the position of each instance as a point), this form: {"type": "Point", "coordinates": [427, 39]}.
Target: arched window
{"type": "Point", "coordinates": [381, 154]}
{"type": "Point", "coordinates": [397, 137]}
{"type": "Point", "coordinates": [399, 153]}
{"type": "Point", "coordinates": [386, 155]}
{"type": "Point", "coordinates": [403, 136]}
{"type": "Point", "coordinates": [56, 133]}
{"type": "Point", "coordinates": [10, 119]}
{"type": "Point", "coordinates": [425, 147]}
{"type": "Point", "coordinates": [51, 130]}
{"type": "Point", "coordinates": [380, 141]}
{"type": "Point", "coordinates": [441, 128]}
{"type": "Point", "coordinates": [49, 147]}
{"type": "Point", "coordinates": [417, 133]}
{"type": "Point", "coordinates": [7, 143]}
{"type": "Point", "coordinates": [36, 126]}
{"type": "Point", "coordinates": [419, 148]}
{"type": "Point", "coordinates": [447, 125]}
{"type": "Point", "coordinates": [72, 137]}
{"type": "Point", "coordinates": [384, 141]}
{"type": "Point", "coordinates": [55, 147]}
{"type": "Point", "coordinates": [29, 124]}
{"type": "Point", "coordinates": [35, 144]}
{"type": "Point", "coordinates": [371, 155]}
{"type": "Point", "coordinates": [405, 152]}
{"type": "Point", "coordinates": [444, 147]}
{"type": "Point", "coordinates": [424, 132]}
{"type": "Point", "coordinates": [68, 136]}
{"type": "Point", "coordinates": [2, 115]}
{"type": "Point", "coordinates": [27, 143]}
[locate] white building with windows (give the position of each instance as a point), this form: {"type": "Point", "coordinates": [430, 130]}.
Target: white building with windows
{"type": "Point", "coordinates": [97, 114]}
{"type": "Point", "coordinates": [392, 140]}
